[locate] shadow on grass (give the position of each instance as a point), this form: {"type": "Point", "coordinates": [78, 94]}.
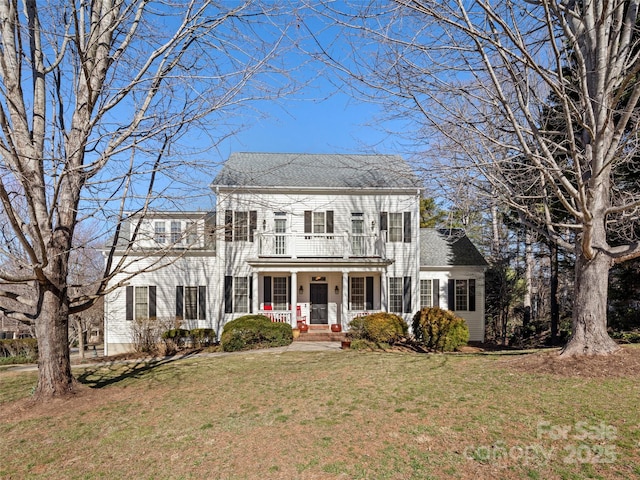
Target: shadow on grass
{"type": "Point", "coordinates": [103, 375]}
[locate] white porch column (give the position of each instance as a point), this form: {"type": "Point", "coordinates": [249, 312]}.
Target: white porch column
{"type": "Point", "coordinates": [384, 298]}
{"type": "Point", "coordinates": [294, 298]}
{"type": "Point", "coordinates": [344, 311]}
{"type": "Point", "coordinates": [255, 301]}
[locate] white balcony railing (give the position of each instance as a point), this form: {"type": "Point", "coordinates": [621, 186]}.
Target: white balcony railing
{"type": "Point", "coordinates": [314, 245]}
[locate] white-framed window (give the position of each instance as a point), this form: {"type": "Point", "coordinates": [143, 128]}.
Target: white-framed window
{"type": "Point", "coordinates": [318, 222]}
{"type": "Point", "coordinates": [357, 293]}
{"type": "Point", "coordinates": [141, 309]}
{"type": "Point", "coordinates": [160, 233]}
{"type": "Point", "coordinates": [357, 234]}
{"type": "Point", "coordinates": [462, 294]}
{"type": "Point", "coordinates": [240, 225]}
{"type": "Point", "coordinates": [396, 287]}
{"type": "Point", "coordinates": [176, 231]}
{"type": "Point", "coordinates": [429, 293]}
{"type": "Point", "coordinates": [140, 302]}
{"type": "Point", "coordinates": [191, 302]}
{"type": "Point", "coordinates": [240, 294]}
{"type": "Point", "coordinates": [395, 227]}
{"type": "Point", "coordinates": [280, 293]}
{"type": "Point", "coordinates": [280, 227]}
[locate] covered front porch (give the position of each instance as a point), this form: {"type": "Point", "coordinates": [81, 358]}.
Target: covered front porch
{"type": "Point", "coordinates": [319, 296]}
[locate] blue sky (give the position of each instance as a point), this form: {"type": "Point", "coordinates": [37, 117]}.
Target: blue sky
{"type": "Point", "coordinates": [313, 123]}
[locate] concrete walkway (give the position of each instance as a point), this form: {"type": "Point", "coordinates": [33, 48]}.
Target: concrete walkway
{"type": "Point", "coordinates": [99, 360]}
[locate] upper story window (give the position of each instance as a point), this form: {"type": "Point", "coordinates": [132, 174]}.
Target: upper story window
{"type": "Point", "coordinates": [192, 233]}
{"type": "Point", "coordinates": [318, 222]}
{"type": "Point", "coordinates": [176, 231]}
{"type": "Point", "coordinates": [160, 233]}
{"type": "Point", "coordinates": [396, 226]}
{"type": "Point", "coordinates": [240, 225]}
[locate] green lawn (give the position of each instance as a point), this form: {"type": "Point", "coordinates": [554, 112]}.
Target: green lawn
{"type": "Point", "coordinates": [340, 414]}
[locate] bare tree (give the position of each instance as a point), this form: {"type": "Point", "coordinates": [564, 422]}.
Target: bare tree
{"type": "Point", "coordinates": [95, 99]}
{"type": "Point", "coordinates": [491, 70]}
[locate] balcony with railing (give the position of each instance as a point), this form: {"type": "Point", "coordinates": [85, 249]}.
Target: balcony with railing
{"type": "Point", "coordinates": [315, 245]}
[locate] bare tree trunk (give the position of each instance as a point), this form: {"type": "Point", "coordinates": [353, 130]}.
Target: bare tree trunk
{"type": "Point", "coordinates": [528, 277]}
{"type": "Point", "coordinates": [553, 292]}
{"type": "Point", "coordinates": [54, 366]}
{"type": "Point", "coordinates": [589, 326]}
{"type": "Point", "coordinates": [81, 345]}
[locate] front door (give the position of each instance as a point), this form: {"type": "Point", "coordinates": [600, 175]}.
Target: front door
{"type": "Point", "coordinates": [319, 296]}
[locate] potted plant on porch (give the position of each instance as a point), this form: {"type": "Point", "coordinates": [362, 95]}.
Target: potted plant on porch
{"type": "Point", "coordinates": [336, 327]}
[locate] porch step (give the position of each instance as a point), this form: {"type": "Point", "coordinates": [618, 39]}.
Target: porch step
{"type": "Point", "coordinates": [320, 336]}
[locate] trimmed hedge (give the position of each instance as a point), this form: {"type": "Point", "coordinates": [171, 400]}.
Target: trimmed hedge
{"type": "Point", "coordinates": [255, 331]}
{"type": "Point", "coordinates": [180, 337]}
{"type": "Point", "coordinates": [439, 329]}
{"type": "Point", "coordinates": [378, 327]}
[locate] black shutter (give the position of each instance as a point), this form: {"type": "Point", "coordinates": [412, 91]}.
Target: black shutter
{"type": "Point", "coordinates": [407, 227]}
{"type": "Point", "coordinates": [228, 225]}
{"type": "Point", "coordinates": [329, 221]}
{"type": "Point", "coordinates": [451, 300]}
{"type": "Point", "coordinates": [472, 295]}
{"type": "Point", "coordinates": [228, 294]}
{"type": "Point", "coordinates": [407, 295]}
{"type": "Point", "coordinates": [250, 282]}
{"type": "Point", "coordinates": [289, 290]}
{"type": "Point", "coordinates": [179, 302]}
{"type": "Point", "coordinates": [152, 302]}
{"type": "Point", "coordinates": [253, 223]}
{"type": "Point", "coordinates": [202, 302]}
{"type": "Point", "coordinates": [267, 291]}
{"type": "Point", "coordinates": [368, 293]}
{"type": "Point", "coordinates": [307, 221]}
{"type": "Point", "coordinates": [436, 293]}
{"type": "Point", "coordinates": [383, 221]}
{"type": "Point", "coordinates": [129, 303]}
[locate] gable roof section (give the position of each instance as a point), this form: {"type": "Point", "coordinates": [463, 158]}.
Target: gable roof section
{"type": "Point", "coordinates": [448, 247]}
{"type": "Point", "coordinates": [316, 171]}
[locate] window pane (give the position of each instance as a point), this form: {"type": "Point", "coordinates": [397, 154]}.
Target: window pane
{"type": "Point", "coordinates": [426, 298]}
{"type": "Point", "coordinates": [461, 295]}
{"type": "Point", "coordinates": [357, 293]}
{"type": "Point", "coordinates": [281, 227]}
{"type": "Point", "coordinates": [241, 294]}
{"type": "Point", "coordinates": [357, 237]}
{"type": "Point", "coordinates": [160, 234]}
{"type": "Point", "coordinates": [142, 303]}
{"type": "Point", "coordinates": [280, 293]}
{"type": "Point", "coordinates": [318, 222]}
{"type": "Point", "coordinates": [395, 294]}
{"type": "Point", "coordinates": [191, 303]}
{"type": "Point", "coordinates": [176, 232]}
{"type": "Point", "coordinates": [242, 226]}
{"type": "Point", "coordinates": [395, 227]}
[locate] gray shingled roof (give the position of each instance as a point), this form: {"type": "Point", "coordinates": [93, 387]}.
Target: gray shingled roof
{"type": "Point", "coordinates": [448, 247]}
{"type": "Point", "coordinates": [316, 170]}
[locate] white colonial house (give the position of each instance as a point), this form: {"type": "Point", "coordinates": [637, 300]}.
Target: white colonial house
{"type": "Point", "coordinates": [320, 239]}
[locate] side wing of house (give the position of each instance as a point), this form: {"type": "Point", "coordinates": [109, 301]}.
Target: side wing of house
{"type": "Point", "coordinates": [170, 279]}
{"type": "Point", "coordinates": [452, 277]}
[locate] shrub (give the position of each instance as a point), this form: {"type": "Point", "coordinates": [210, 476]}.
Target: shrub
{"type": "Point", "coordinates": [202, 337]}
{"type": "Point", "coordinates": [439, 329]}
{"type": "Point", "coordinates": [379, 327]}
{"type": "Point", "coordinates": [255, 331]}
{"type": "Point", "coordinates": [20, 350]}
